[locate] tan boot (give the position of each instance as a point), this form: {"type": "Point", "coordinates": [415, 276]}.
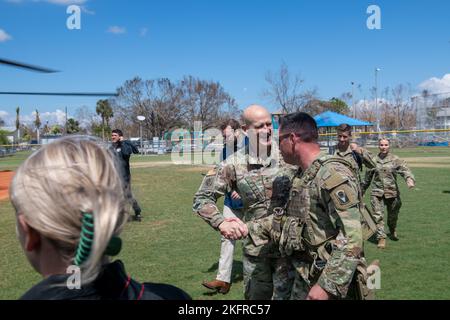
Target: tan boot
{"type": "Point", "coordinates": [381, 243]}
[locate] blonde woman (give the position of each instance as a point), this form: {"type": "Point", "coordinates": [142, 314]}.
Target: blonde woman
{"type": "Point", "coordinates": [70, 210]}
{"type": "Point", "coordinates": [385, 191]}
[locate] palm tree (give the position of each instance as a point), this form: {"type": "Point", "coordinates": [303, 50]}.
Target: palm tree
{"type": "Point", "coordinates": [37, 124]}
{"type": "Point", "coordinates": [18, 123]}
{"type": "Point", "coordinates": [105, 111]}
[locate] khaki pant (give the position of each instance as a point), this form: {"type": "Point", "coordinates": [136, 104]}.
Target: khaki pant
{"type": "Point", "coordinates": [227, 250]}
{"type": "Point", "coordinates": [393, 206]}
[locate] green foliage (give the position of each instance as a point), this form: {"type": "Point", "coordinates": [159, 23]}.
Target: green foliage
{"type": "Point", "coordinates": [105, 111]}
{"type": "Point", "coordinates": [27, 133]}
{"type": "Point", "coordinates": [73, 126]}
{"type": "Point", "coordinates": [99, 130]}
{"type": "Point", "coordinates": [339, 106]}
{"type": "Point", "coordinates": [56, 129]}
{"type": "Point", "coordinates": [26, 137]}
{"type": "Point", "coordinates": [315, 106]}
{"type": "Point", "coordinates": [3, 137]}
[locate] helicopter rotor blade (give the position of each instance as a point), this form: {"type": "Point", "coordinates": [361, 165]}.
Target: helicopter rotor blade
{"type": "Point", "coordinates": [30, 67]}
{"type": "Point", "coordinates": [74, 94]}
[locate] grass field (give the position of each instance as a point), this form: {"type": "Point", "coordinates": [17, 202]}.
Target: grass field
{"type": "Point", "coordinates": [174, 246]}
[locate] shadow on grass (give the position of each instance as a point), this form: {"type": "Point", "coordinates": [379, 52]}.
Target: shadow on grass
{"type": "Point", "coordinates": [236, 276]}
{"type": "Point", "coordinates": [373, 239]}
{"type": "Point", "coordinates": [446, 191]}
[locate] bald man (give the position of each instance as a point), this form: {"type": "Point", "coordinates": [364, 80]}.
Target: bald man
{"type": "Point", "coordinates": [260, 180]}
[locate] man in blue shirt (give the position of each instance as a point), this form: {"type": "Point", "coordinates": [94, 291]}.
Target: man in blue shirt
{"type": "Point", "coordinates": [231, 209]}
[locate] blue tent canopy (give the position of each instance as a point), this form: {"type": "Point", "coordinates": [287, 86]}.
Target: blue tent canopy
{"type": "Point", "coordinates": [333, 119]}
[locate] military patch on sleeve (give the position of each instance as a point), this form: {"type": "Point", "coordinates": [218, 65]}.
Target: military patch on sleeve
{"type": "Point", "coordinates": [208, 183]}
{"type": "Point", "coordinates": [344, 197]}
{"type": "Point", "coordinates": [333, 180]}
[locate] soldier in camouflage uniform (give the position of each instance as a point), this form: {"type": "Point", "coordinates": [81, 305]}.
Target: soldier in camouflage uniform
{"type": "Point", "coordinates": [320, 227]}
{"type": "Point", "coordinates": [351, 152]}
{"type": "Point", "coordinates": [385, 189]}
{"type": "Point", "coordinates": [358, 157]}
{"type": "Point", "coordinates": [252, 175]}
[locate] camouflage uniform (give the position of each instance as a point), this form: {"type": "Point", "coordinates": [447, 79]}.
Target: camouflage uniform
{"type": "Point", "coordinates": [357, 160]}
{"type": "Point", "coordinates": [320, 228]}
{"type": "Point", "coordinates": [366, 158]}
{"type": "Point", "coordinates": [385, 190]}
{"type": "Point", "coordinates": [266, 274]}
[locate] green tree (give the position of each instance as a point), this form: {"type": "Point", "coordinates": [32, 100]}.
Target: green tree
{"type": "Point", "coordinates": [339, 106]}
{"type": "Point", "coordinates": [105, 111]}
{"type": "Point", "coordinates": [96, 129]}
{"type": "Point", "coordinates": [27, 133]}
{"type": "Point", "coordinates": [56, 129]}
{"type": "Point", "coordinates": [73, 126]}
{"type": "Point", "coordinates": [316, 106]}
{"type": "Point", "coordinates": [3, 137]}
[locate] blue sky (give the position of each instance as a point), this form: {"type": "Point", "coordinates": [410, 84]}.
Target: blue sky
{"type": "Point", "coordinates": [233, 42]}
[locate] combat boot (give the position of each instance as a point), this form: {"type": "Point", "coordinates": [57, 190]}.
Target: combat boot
{"type": "Point", "coordinates": [381, 243]}
{"type": "Point", "coordinates": [393, 235]}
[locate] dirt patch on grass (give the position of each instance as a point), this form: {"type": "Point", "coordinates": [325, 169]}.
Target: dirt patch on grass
{"type": "Point", "coordinates": [5, 180]}
{"type": "Point", "coordinates": [158, 224]}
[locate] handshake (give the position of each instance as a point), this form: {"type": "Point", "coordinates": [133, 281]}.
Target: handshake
{"type": "Point", "coordinates": [233, 229]}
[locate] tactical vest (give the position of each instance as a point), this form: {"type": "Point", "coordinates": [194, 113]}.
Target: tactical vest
{"type": "Point", "coordinates": [295, 231]}
{"type": "Point", "coordinates": [292, 224]}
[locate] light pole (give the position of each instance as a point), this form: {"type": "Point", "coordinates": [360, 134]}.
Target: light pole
{"type": "Point", "coordinates": [140, 118]}
{"type": "Point", "coordinates": [376, 99]}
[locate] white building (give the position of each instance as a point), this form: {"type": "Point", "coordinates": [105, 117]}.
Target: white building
{"type": "Point", "coordinates": [443, 119]}
{"type": "Point", "coordinates": [11, 133]}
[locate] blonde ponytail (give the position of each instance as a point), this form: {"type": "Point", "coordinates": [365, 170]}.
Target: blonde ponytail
{"type": "Point", "coordinates": [59, 182]}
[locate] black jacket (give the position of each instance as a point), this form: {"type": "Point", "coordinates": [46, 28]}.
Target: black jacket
{"type": "Point", "coordinates": [111, 284]}
{"type": "Point", "coordinates": [123, 150]}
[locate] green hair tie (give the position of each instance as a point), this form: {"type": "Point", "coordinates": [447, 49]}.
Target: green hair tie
{"type": "Point", "coordinates": [87, 239]}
